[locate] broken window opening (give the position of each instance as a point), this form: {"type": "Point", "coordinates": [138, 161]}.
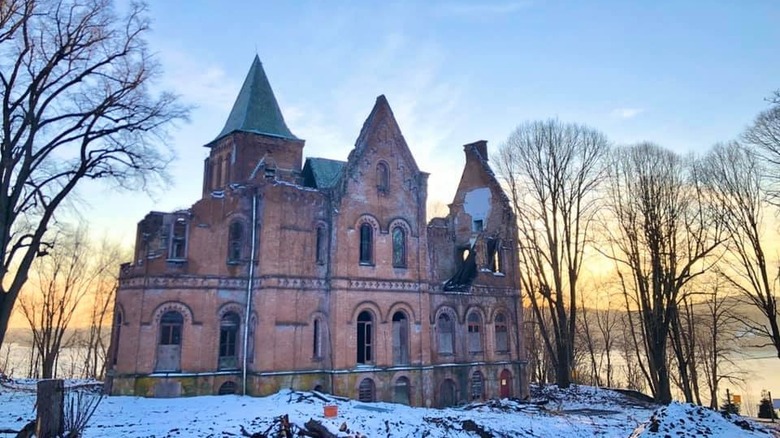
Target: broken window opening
{"type": "Point", "coordinates": [365, 337]}
{"type": "Point", "coordinates": [178, 249]}
{"type": "Point", "coordinates": [477, 226]}
{"type": "Point", "coordinates": [366, 244]}
{"type": "Point", "coordinates": [228, 335]}
{"type": "Point", "coordinates": [316, 351]}
{"type": "Point", "coordinates": [399, 247]}
{"type": "Point", "coordinates": [366, 390]}
{"type": "Point", "coordinates": [235, 242]}
{"type": "Point", "coordinates": [494, 255]}
{"type": "Point", "coordinates": [400, 339]}
{"type": "Point", "coordinates": [502, 338]}
{"type": "Point", "coordinates": [474, 338]}
{"type": "Point", "coordinates": [445, 330]}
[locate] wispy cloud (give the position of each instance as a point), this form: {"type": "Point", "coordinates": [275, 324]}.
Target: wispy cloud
{"type": "Point", "coordinates": [198, 84]}
{"type": "Point", "coordinates": [480, 9]}
{"type": "Point", "coordinates": [626, 113]}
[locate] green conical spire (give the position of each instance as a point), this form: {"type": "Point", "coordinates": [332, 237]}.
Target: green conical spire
{"type": "Point", "coordinates": [256, 110]}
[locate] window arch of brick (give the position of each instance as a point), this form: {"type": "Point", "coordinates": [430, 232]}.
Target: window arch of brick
{"type": "Point", "coordinates": [367, 390]}
{"type": "Point", "coordinates": [402, 390]}
{"type": "Point", "coordinates": [173, 305]}
{"type": "Point", "coordinates": [401, 334]}
{"type": "Point", "coordinates": [366, 244]}
{"type": "Point", "coordinates": [320, 243]}
{"type": "Point", "coordinates": [399, 246]}
{"type": "Point", "coordinates": [500, 324]}
{"type": "Point", "coordinates": [477, 386]}
{"type": "Point", "coordinates": [446, 322]}
{"type": "Point", "coordinates": [229, 325]}
{"type": "Point", "coordinates": [119, 320]}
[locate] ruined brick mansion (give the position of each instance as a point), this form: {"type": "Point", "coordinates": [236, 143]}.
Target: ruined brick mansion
{"type": "Point", "coordinates": [323, 274]}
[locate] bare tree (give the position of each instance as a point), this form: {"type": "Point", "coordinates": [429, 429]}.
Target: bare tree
{"type": "Point", "coordinates": [75, 105]}
{"type": "Point", "coordinates": [764, 134]}
{"type": "Point", "coordinates": [553, 170]}
{"type": "Point", "coordinates": [735, 176]}
{"type": "Point", "coordinates": [661, 234]}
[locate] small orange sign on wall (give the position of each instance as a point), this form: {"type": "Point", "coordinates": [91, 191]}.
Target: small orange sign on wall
{"type": "Point", "coordinates": [736, 399]}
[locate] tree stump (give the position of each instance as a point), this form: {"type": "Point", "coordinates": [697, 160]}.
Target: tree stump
{"type": "Point", "coordinates": [51, 398]}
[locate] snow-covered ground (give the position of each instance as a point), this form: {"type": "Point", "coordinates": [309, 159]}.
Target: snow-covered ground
{"type": "Point", "coordinates": [577, 412]}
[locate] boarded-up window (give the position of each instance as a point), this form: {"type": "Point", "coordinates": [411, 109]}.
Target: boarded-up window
{"type": "Point", "coordinates": [474, 332]}
{"type": "Point", "coordinates": [366, 390]}
{"type": "Point", "coordinates": [447, 394]}
{"type": "Point", "coordinates": [228, 388]}
{"type": "Point", "coordinates": [400, 339]}
{"type": "Point", "coordinates": [366, 244]}
{"type": "Point", "coordinates": [169, 347]}
{"type": "Point", "coordinates": [445, 332]}
{"type": "Point", "coordinates": [365, 337]}
{"type": "Point", "coordinates": [477, 385]}
{"type": "Point", "coordinates": [401, 391]}
{"type": "Point", "coordinates": [502, 338]}
{"type": "Point", "coordinates": [228, 336]}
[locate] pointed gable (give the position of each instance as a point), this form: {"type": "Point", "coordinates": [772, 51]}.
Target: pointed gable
{"type": "Point", "coordinates": [256, 110]}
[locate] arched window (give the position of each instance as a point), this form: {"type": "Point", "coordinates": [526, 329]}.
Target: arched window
{"type": "Point", "coordinates": [445, 330]}
{"type": "Point", "coordinates": [474, 329]}
{"type": "Point", "coordinates": [477, 386]}
{"type": "Point", "coordinates": [169, 346]}
{"type": "Point", "coordinates": [316, 336]}
{"type": "Point", "coordinates": [502, 339]}
{"type": "Point", "coordinates": [228, 336]}
{"type": "Point", "coordinates": [250, 344]}
{"type": "Point", "coordinates": [365, 337]}
{"type": "Point", "coordinates": [447, 394]}
{"type": "Point", "coordinates": [235, 242]}
{"type": "Point", "coordinates": [228, 388]}
{"type": "Point", "coordinates": [382, 178]}
{"type": "Point", "coordinates": [178, 249]}
{"type": "Point", "coordinates": [366, 244]}
{"type": "Point", "coordinates": [400, 339]}
{"type": "Point", "coordinates": [399, 247]}
{"type": "Point", "coordinates": [321, 245]}
{"type": "Point", "coordinates": [366, 390]}
{"type": "Point", "coordinates": [401, 391]}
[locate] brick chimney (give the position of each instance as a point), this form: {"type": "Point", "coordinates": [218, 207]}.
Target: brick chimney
{"type": "Point", "coordinates": [476, 150]}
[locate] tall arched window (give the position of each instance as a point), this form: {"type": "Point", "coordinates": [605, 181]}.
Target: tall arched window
{"type": "Point", "coordinates": [228, 337]}
{"type": "Point", "coordinates": [382, 178]}
{"type": "Point", "coordinates": [502, 339]}
{"type": "Point", "coordinates": [365, 337]}
{"type": "Point", "coordinates": [235, 242]}
{"type": "Point", "coordinates": [118, 320]}
{"type": "Point", "coordinates": [474, 329]}
{"type": "Point", "coordinates": [366, 244]}
{"type": "Point", "coordinates": [445, 331]}
{"type": "Point", "coordinates": [401, 391]}
{"type": "Point", "coordinates": [316, 336]}
{"type": "Point", "coordinates": [169, 346]}
{"type": "Point", "coordinates": [321, 245]}
{"type": "Point", "coordinates": [447, 394]}
{"type": "Point", "coordinates": [400, 339]}
{"type": "Point", "coordinates": [399, 247]}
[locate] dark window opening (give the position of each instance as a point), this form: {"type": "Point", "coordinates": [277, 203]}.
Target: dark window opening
{"type": "Point", "coordinates": [118, 320]}
{"type": "Point", "coordinates": [366, 390]}
{"type": "Point", "coordinates": [320, 245]}
{"type": "Point", "coordinates": [170, 328]}
{"type": "Point", "coordinates": [235, 242]}
{"type": "Point", "coordinates": [478, 226]}
{"type": "Point", "coordinates": [401, 391]}
{"type": "Point", "coordinates": [228, 336]}
{"type": "Point", "coordinates": [316, 353]}
{"type": "Point", "coordinates": [382, 178]}
{"type": "Point", "coordinates": [447, 394]}
{"type": "Point", "coordinates": [178, 240]}
{"type": "Point", "coordinates": [250, 347]}
{"type": "Point", "coordinates": [366, 244]}
{"type": "Point", "coordinates": [365, 338]}
{"type": "Point", "coordinates": [474, 338]}
{"type": "Point", "coordinates": [494, 255]}
{"type": "Point", "coordinates": [502, 338]}
{"type": "Point", "coordinates": [399, 247]}
{"type": "Point", "coordinates": [477, 386]}
{"type": "Point", "coordinates": [445, 330]}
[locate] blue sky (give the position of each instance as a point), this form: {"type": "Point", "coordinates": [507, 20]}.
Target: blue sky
{"type": "Point", "coordinates": [682, 74]}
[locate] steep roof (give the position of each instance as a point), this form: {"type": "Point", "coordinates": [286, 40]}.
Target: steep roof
{"type": "Point", "coordinates": [322, 173]}
{"type": "Point", "coordinates": [256, 110]}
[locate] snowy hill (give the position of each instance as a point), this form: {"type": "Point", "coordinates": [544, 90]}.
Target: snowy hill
{"type": "Point", "coordinates": [576, 412]}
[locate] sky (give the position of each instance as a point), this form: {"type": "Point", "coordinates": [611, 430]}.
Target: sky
{"type": "Point", "coordinates": [682, 74]}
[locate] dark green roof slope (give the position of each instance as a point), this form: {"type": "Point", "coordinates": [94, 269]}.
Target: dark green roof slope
{"type": "Point", "coordinates": [256, 110]}
{"type": "Point", "coordinates": [322, 173]}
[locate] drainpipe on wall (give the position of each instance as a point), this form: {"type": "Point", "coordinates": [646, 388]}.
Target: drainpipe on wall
{"type": "Point", "coordinates": [249, 291]}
